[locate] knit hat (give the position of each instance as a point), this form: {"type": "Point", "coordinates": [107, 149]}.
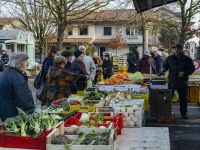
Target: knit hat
{"type": "Point", "coordinates": [147, 53]}
{"type": "Point", "coordinates": [77, 53]}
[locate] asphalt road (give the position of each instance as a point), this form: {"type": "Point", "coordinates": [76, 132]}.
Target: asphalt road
{"type": "Point", "coordinates": [184, 134]}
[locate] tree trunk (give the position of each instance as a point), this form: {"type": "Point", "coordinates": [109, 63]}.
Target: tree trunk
{"type": "Point", "coordinates": [183, 25]}
{"type": "Point", "coordinates": [61, 30]}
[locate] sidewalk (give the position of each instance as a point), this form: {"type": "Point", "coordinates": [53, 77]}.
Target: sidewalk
{"type": "Point", "coordinates": [184, 134]}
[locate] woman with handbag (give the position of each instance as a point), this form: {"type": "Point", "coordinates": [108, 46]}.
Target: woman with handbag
{"type": "Point", "coordinates": [59, 80]}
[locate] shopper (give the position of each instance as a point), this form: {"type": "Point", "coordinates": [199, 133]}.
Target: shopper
{"type": "Point", "coordinates": [4, 56]}
{"type": "Point", "coordinates": [89, 64]}
{"type": "Point", "coordinates": [79, 67]}
{"type": "Point", "coordinates": [69, 56]}
{"type": "Point", "coordinates": [14, 89]}
{"type": "Point", "coordinates": [59, 80]}
{"type": "Point", "coordinates": [48, 61]}
{"type": "Point", "coordinates": [159, 61]}
{"type": "Point", "coordinates": [2, 66]}
{"type": "Point", "coordinates": [107, 67]}
{"type": "Point", "coordinates": [133, 60]}
{"type": "Point", "coordinates": [98, 63]}
{"type": "Point", "coordinates": [180, 67]}
{"type": "Point", "coordinates": [147, 64]}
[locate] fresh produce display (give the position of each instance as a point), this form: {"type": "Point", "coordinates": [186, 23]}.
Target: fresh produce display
{"type": "Point", "coordinates": [85, 120]}
{"type": "Point", "coordinates": [58, 102]}
{"type": "Point", "coordinates": [30, 125]}
{"type": "Point", "coordinates": [90, 138]}
{"type": "Point", "coordinates": [58, 108]}
{"type": "Point", "coordinates": [115, 98]}
{"type": "Point", "coordinates": [75, 102]}
{"type": "Point", "coordinates": [61, 139]}
{"type": "Point", "coordinates": [93, 95]}
{"type": "Point", "coordinates": [136, 77]}
{"type": "Point", "coordinates": [93, 138]}
{"type": "Point", "coordinates": [119, 78]}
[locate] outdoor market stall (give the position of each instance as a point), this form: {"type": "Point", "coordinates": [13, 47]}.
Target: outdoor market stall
{"type": "Point", "coordinates": [97, 118]}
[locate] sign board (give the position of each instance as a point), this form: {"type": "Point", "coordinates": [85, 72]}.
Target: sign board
{"type": "Point", "coordinates": [143, 5]}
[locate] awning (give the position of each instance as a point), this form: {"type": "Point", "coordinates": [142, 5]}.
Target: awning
{"type": "Point", "coordinates": [101, 41]}
{"type": "Point", "coordinates": [74, 40]}
{"type": "Point", "coordinates": [143, 5]}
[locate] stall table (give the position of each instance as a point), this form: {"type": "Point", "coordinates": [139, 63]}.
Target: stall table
{"type": "Point", "coordinates": [147, 138]}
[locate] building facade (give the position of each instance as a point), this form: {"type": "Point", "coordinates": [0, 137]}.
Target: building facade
{"type": "Point", "coordinates": [18, 41]}
{"type": "Point", "coordinates": [110, 24]}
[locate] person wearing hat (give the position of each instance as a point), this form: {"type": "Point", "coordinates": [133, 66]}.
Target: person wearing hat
{"type": "Point", "coordinates": [59, 80]}
{"type": "Point", "coordinates": [107, 67]}
{"type": "Point", "coordinates": [147, 64]}
{"type": "Point", "coordinates": [4, 56]}
{"type": "Point", "coordinates": [180, 67]}
{"type": "Point", "coordinates": [78, 67]}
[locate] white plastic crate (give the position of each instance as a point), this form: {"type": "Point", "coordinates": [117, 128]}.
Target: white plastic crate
{"type": "Point", "coordinates": [133, 113]}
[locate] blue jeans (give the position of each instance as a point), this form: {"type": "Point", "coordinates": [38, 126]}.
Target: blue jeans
{"type": "Point", "coordinates": [182, 93]}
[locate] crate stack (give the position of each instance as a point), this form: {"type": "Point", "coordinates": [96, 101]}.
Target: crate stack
{"type": "Point", "coordinates": [115, 63]}
{"type": "Point", "coordinates": [122, 67]}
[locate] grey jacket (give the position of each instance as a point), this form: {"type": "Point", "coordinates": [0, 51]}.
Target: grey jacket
{"type": "Point", "coordinates": [90, 67]}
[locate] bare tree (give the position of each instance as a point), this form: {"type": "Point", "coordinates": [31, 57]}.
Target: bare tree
{"type": "Point", "coordinates": [66, 12]}
{"type": "Point", "coordinates": [34, 17]}
{"type": "Point", "coordinates": [188, 10]}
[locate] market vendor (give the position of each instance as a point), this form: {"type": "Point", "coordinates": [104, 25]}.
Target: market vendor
{"type": "Point", "coordinates": [14, 90]}
{"type": "Point", "coordinates": [180, 67]}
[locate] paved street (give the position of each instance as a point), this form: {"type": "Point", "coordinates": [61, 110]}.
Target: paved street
{"type": "Point", "coordinates": [184, 134]}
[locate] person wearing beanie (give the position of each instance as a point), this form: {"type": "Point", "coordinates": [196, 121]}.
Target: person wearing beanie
{"type": "Point", "coordinates": [147, 64]}
{"type": "Point", "coordinates": [61, 79]}
{"type": "Point", "coordinates": [79, 67]}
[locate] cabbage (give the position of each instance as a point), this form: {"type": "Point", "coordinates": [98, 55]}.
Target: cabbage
{"type": "Point", "coordinates": [137, 77]}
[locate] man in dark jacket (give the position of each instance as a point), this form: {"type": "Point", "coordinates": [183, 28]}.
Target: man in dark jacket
{"type": "Point", "coordinates": [159, 61]}
{"type": "Point", "coordinates": [132, 61]}
{"type": "Point", "coordinates": [180, 67]}
{"type": "Point", "coordinates": [14, 89]}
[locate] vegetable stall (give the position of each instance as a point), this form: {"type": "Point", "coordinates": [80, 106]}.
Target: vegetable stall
{"type": "Point", "coordinates": [93, 119]}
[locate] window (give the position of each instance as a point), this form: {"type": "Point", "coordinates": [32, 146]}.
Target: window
{"type": "Point", "coordinates": [131, 31]}
{"type": "Point", "coordinates": [84, 31]}
{"type": "Point", "coordinates": [70, 32]}
{"type": "Point", "coordinates": [107, 30]}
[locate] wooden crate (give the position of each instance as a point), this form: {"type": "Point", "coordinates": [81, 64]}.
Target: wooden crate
{"type": "Point", "coordinates": [55, 133]}
{"type": "Point", "coordinates": [194, 93]}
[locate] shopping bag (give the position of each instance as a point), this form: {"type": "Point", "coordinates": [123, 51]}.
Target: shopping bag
{"type": "Point", "coordinates": [41, 93]}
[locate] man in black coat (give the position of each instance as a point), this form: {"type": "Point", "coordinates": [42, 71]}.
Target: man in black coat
{"type": "Point", "coordinates": [180, 67]}
{"type": "Point", "coordinates": [133, 60]}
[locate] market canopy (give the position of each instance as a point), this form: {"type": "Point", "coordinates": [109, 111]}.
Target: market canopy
{"type": "Point", "coordinates": [143, 5]}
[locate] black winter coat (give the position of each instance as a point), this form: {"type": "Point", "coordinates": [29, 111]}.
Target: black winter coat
{"type": "Point", "coordinates": [132, 63]}
{"type": "Point", "coordinates": [81, 83]}
{"type": "Point", "coordinates": [14, 92]}
{"type": "Point", "coordinates": [175, 65]}
{"type": "Point", "coordinates": [107, 67]}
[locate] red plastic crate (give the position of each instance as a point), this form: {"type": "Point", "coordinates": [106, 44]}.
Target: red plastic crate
{"type": "Point", "coordinates": [118, 122]}
{"type": "Point", "coordinates": [75, 121]}
{"type": "Point", "coordinates": [14, 141]}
